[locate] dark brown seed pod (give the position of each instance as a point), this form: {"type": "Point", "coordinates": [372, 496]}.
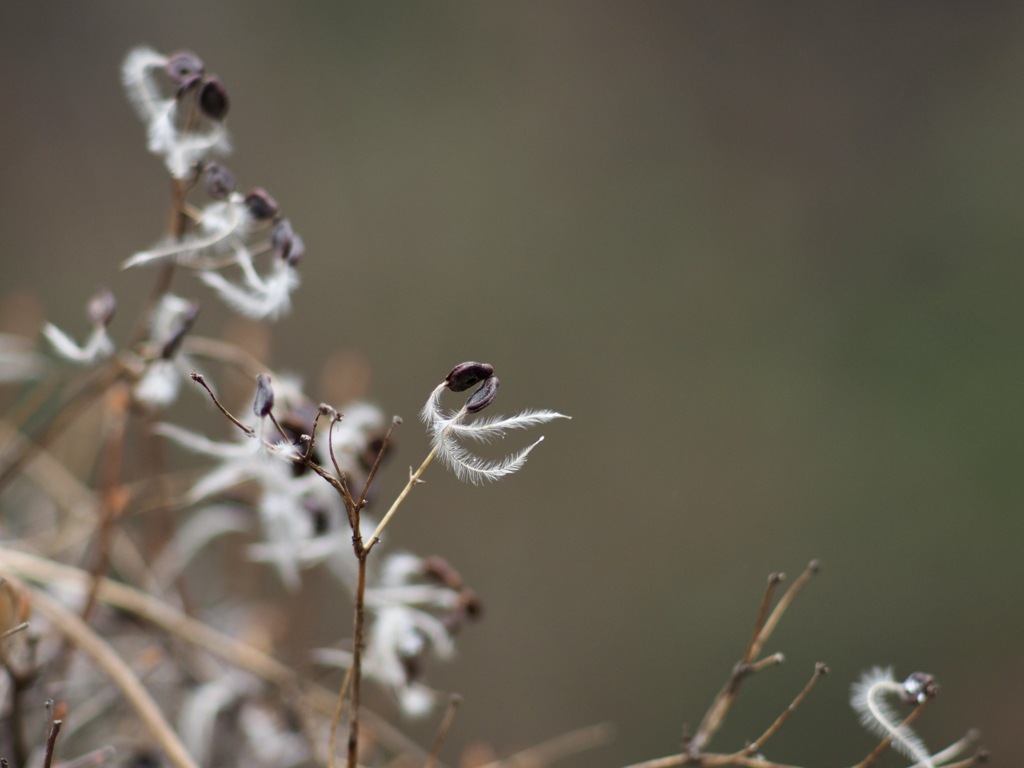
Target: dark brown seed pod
{"type": "Point", "coordinates": [261, 205]}
{"type": "Point", "coordinates": [219, 181]}
{"type": "Point", "coordinates": [213, 99]}
{"type": "Point", "coordinates": [101, 308]}
{"type": "Point", "coordinates": [466, 375]}
{"type": "Point", "coordinates": [483, 396]}
{"type": "Point", "coordinates": [263, 403]}
{"type": "Point", "coordinates": [183, 66]}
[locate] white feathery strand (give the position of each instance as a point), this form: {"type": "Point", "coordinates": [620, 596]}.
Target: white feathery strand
{"type": "Point", "coordinates": [867, 699]}
{"type": "Point", "coordinates": [135, 74]}
{"type": "Point", "coordinates": [475, 469]}
{"type": "Point", "coordinates": [493, 427]}
{"type": "Point", "coordinates": [220, 229]}
{"type": "Point", "coordinates": [98, 345]}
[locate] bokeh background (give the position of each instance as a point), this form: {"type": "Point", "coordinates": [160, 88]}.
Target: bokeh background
{"type": "Point", "coordinates": [768, 256]}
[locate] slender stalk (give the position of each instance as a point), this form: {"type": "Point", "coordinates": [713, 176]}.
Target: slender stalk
{"type": "Point", "coordinates": [442, 731]}
{"type": "Point", "coordinates": [336, 718]}
{"type": "Point", "coordinates": [414, 478]}
{"type": "Point", "coordinates": [357, 658]}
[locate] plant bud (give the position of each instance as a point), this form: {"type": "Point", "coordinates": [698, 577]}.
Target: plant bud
{"type": "Point", "coordinates": [101, 308]}
{"type": "Point", "coordinates": [213, 99]}
{"type": "Point", "coordinates": [183, 66]}
{"type": "Point", "coordinates": [483, 396]}
{"type": "Point", "coordinates": [261, 205]}
{"type": "Point", "coordinates": [466, 375]}
{"type": "Point", "coordinates": [437, 569]}
{"type": "Point", "coordinates": [264, 401]}
{"type": "Point", "coordinates": [220, 182]}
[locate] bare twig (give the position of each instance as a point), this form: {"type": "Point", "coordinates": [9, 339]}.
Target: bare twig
{"type": "Point", "coordinates": [442, 731]}
{"type": "Point", "coordinates": [336, 718]}
{"type": "Point", "coordinates": [51, 743]}
{"type": "Point", "coordinates": [414, 478]}
{"type": "Point", "coordinates": [820, 670]}
{"type": "Point", "coordinates": [198, 379]}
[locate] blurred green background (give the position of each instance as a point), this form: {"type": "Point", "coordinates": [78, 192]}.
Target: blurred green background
{"type": "Point", "coordinates": [767, 256]}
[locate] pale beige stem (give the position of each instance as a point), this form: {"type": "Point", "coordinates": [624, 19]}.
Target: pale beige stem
{"type": "Point", "coordinates": [413, 479]}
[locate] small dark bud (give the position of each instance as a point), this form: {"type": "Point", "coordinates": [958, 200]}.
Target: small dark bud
{"type": "Point", "coordinates": [466, 375]}
{"type": "Point", "coordinates": [185, 323]}
{"type": "Point", "coordinates": [483, 396]}
{"type": "Point", "coordinates": [183, 66]}
{"type": "Point", "coordinates": [220, 182]}
{"type": "Point", "coordinates": [264, 401]}
{"type": "Point", "coordinates": [213, 99]}
{"type": "Point", "coordinates": [261, 205]}
{"type": "Point", "coordinates": [919, 687]}
{"type": "Point", "coordinates": [101, 308]}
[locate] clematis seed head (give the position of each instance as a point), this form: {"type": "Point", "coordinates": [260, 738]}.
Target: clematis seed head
{"type": "Point", "coordinates": [264, 400]}
{"type": "Point", "coordinates": [483, 396]}
{"type": "Point", "coordinates": [466, 375]}
{"type": "Point", "coordinates": [220, 182]}
{"type": "Point", "coordinates": [261, 205]}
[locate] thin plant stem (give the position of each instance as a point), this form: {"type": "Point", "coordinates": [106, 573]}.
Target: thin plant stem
{"type": "Point", "coordinates": [357, 652]}
{"type": "Point", "coordinates": [442, 731]}
{"type": "Point", "coordinates": [51, 743]}
{"type": "Point", "coordinates": [336, 718]}
{"type": "Point", "coordinates": [414, 478]}
{"type": "Point", "coordinates": [820, 670]}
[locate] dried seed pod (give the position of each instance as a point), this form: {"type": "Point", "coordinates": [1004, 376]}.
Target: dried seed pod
{"type": "Point", "coordinates": [261, 205]}
{"type": "Point", "coordinates": [101, 308]}
{"type": "Point", "coordinates": [183, 66]}
{"type": "Point", "coordinates": [264, 400]}
{"type": "Point", "coordinates": [483, 396]}
{"type": "Point", "coordinates": [213, 99]}
{"type": "Point", "coordinates": [466, 375]}
{"type": "Point", "coordinates": [220, 182]}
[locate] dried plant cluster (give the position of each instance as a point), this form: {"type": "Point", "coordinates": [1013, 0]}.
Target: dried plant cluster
{"type": "Point", "coordinates": [111, 656]}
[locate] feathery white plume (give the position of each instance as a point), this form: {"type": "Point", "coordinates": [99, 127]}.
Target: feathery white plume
{"type": "Point", "coordinates": [446, 428]}
{"type": "Point", "coordinates": [868, 699]}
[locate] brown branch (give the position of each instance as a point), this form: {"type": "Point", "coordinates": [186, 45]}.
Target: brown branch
{"type": "Point", "coordinates": [51, 743]}
{"type": "Point", "coordinates": [820, 670]}
{"type": "Point", "coordinates": [442, 731]}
